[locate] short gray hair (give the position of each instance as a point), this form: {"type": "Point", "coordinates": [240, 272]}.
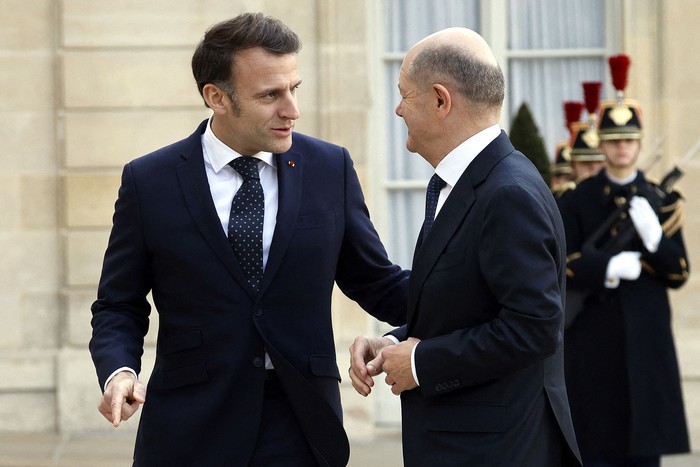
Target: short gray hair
{"type": "Point", "coordinates": [481, 83]}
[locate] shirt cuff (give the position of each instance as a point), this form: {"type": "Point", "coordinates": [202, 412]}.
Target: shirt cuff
{"type": "Point", "coordinates": [391, 337]}
{"type": "Point", "coordinates": [413, 364]}
{"type": "Point", "coordinates": [119, 370]}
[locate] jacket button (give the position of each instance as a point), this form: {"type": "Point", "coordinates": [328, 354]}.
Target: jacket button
{"type": "Point", "coordinates": [258, 312]}
{"type": "Point", "coordinates": [258, 362]}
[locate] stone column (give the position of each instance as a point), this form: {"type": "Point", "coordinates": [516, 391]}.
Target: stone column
{"type": "Point", "coordinates": [29, 279]}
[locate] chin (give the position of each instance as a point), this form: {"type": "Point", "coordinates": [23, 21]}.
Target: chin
{"type": "Point", "coordinates": [280, 148]}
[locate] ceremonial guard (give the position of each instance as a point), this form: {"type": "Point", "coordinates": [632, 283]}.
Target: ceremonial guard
{"type": "Point", "coordinates": [586, 158]}
{"type": "Point", "coordinates": [561, 170]}
{"type": "Point", "coordinates": [625, 250]}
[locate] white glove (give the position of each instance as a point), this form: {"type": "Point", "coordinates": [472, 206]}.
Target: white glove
{"type": "Point", "coordinates": [645, 221]}
{"type": "Point", "coordinates": [625, 265]}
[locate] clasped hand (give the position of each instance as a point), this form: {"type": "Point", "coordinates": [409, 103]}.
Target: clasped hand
{"type": "Point", "coordinates": [371, 357]}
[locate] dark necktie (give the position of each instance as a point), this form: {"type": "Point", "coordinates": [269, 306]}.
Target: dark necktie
{"type": "Point", "coordinates": [431, 199]}
{"type": "Point", "coordinates": [245, 225]}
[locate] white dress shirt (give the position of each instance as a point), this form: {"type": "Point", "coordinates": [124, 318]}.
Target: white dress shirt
{"type": "Point", "coordinates": [224, 182]}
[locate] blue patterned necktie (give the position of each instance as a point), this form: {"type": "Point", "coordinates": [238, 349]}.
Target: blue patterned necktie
{"type": "Point", "coordinates": [431, 199]}
{"type": "Point", "coordinates": [245, 226]}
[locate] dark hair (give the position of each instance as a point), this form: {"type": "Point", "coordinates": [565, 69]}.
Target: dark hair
{"type": "Point", "coordinates": [479, 82]}
{"type": "Point", "coordinates": [215, 54]}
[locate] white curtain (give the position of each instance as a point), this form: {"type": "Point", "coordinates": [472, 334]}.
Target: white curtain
{"type": "Point", "coordinates": [554, 46]}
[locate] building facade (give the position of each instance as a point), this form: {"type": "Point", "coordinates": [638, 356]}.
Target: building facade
{"type": "Point", "coordinates": [87, 85]}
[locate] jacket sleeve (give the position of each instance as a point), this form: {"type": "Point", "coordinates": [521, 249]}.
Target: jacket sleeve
{"type": "Point", "coordinates": [365, 273]}
{"type": "Point", "coordinates": [120, 313]}
{"type": "Point", "coordinates": [669, 264]}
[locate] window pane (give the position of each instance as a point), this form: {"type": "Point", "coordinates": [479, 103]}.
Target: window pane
{"type": "Point", "coordinates": [408, 21]}
{"type": "Point", "coordinates": [406, 214]}
{"type": "Point", "coordinates": [544, 84]}
{"type": "Point", "coordinates": [556, 24]}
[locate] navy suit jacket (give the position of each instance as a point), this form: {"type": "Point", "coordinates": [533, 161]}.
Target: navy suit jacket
{"type": "Point", "coordinates": [205, 393]}
{"type": "Point", "coordinates": [486, 298]}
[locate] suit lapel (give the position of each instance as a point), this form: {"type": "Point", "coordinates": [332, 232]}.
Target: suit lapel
{"type": "Point", "coordinates": [195, 190]}
{"type": "Point", "coordinates": [290, 170]}
{"type": "Point", "coordinates": [451, 216]}
{"type": "Point", "coordinates": [446, 223]}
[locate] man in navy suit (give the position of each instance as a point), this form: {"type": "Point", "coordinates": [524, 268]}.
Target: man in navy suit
{"type": "Point", "coordinates": [245, 370]}
{"type": "Point", "coordinates": [479, 366]}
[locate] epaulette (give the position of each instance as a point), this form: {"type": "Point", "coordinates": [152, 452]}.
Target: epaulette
{"type": "Point", "coordinates": [559, 191]}
{"type": "Point", "coordinates": [676, 219]}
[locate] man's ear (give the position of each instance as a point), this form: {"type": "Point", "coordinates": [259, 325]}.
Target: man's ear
{"type": "Point", "coordinates": [215, 97]}
{"type": "Point", "coordinates": [442, 100]}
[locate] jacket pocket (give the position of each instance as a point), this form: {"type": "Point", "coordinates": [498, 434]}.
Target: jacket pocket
{"type": "Point", "coordinates": [477, 418]}
{"type": "Point", "coordinates": [181, 341]}
{"type": "Point", "coordinates": [322, 365]}
{"type": "Point", "coordinates": [181, 362]}
{"type": "Point", "coordinates": [314, 221]}
{"type": "Point", "coordinates": [192, 373]}
{"type": "Point", "coordinates": [449, 260]}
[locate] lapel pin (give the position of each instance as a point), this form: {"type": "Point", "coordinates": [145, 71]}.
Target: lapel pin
{"type": "Point", "coordinates": [291, 163]}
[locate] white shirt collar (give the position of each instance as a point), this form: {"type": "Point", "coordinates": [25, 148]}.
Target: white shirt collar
{"type": "Point", "coordinates": [624, 181]}
{"type": "Point", "coordinates": [456, 162]}
{"type": "Point", "coordinates": [220, 154]}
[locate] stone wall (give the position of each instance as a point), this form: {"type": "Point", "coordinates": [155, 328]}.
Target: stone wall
{"type": "Point", "coordinates": [678, 91]}
{"type": "Point", "coordinates": [30, 279]}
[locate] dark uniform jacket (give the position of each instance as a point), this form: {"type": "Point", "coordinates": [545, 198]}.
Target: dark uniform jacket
{"type": "Point", "coordinates": [622, 374]}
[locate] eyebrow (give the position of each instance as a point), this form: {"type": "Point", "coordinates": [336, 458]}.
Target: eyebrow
{"type": "Point", "coordinates": [278, 88]}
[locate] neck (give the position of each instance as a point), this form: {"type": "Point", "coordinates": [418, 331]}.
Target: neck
{"type": "Point", "coordinates": [621, 177]}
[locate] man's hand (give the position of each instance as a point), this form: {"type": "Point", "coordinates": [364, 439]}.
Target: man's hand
{"type": "Point", "coordinates": [397, 366]}
{"type": "Point", "coordinates": [122, 398]}
{"type": "Point", "coordinates": [366, 361]}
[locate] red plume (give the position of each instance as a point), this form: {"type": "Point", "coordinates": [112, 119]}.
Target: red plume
{"type": "Point", "coordinates": [572, 111]}
{"type": "Point", "coordinates": [619, 65]}
{"type": "Point", "coordinates": [591, 94]}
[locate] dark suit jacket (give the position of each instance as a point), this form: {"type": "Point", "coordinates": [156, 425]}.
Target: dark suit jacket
{"type": "Point", "coordinates": [486, 298]}
{"type": "Point", "coordinates": [205, 394]}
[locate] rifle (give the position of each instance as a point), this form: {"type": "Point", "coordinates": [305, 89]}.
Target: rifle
{"type": "Point", "coordinates": [656, 195]}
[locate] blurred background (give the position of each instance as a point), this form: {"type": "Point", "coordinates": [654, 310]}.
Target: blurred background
{"type": "Point", "coordinates": [87, 85]}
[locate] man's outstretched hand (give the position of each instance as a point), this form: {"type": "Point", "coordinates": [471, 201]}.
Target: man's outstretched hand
{"type": "Point", "coordinates": [122, 398]}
